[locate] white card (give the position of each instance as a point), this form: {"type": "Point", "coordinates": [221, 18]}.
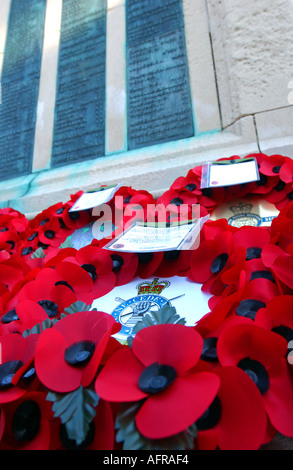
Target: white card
{"type": "Point", "coordinates": [229, 174]}
{"type": "Point", "coordinates": [92, 199]}
{"type": "Point", "coordinates": [129, 303]}
{"type": "Point", "coordinates": [143, 238]}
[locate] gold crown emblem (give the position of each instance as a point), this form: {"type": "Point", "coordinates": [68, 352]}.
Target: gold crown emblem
{"type": "Point", "coordinates": [153, 287]}
{"type": "Point", "coordinates": [241, 209]}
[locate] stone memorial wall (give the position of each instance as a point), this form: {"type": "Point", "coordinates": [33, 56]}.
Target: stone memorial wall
{"type": "Point", "coordinates": [20, 85]}
{"type": "Point", "coordinates": [159, 102]}
{"type": "Point", "coordinates": [79, 127]}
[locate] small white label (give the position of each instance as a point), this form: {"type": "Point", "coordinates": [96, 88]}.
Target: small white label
{"type": "Point", "coordinates": [147, 238]}
{"type": "Point", "coordinates": [229, 174]}
{"type": "Point", "coordinates": [89, 200]}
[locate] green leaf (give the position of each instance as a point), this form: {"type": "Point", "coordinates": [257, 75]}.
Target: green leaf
{"type": "Point", "coordinates": [76, 411]}
{"type": "Point", "coordinates": [39, 327]}
{"type": "Point", "coordinates": [132, 439]}
{"type": "Point", "coordinates": [67, 243]}
{"type": "Point", "coordinates": [164, 315]}
{"type": "Point", "coordinates": [78, 306]}
{"type": "Point", "coordinates": [39, 253]}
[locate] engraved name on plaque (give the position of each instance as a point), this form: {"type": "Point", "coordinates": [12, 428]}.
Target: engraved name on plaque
{"type": "Point", "coordinates": [20, 86]}
{"type": "Point", "coordinates": [158, 94]}
{"type": "Point", "coordinates": [79, 127]}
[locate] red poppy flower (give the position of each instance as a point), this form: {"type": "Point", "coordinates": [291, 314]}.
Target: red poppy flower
{"type": "Point", "coordinates": [252, 269]}
{"type": "Point", "coordinates": [243, 303]}
{"type": "Point", "coordinates": [265, 184]}
{"type": "Point", "coordinates": [287, 200]}
{"type": "Point", "coordinates": [176, 198]}
{"type": "Point", "coordinates": [75, 219]}
{"type": "Point", "coordinates": [261, 354]}
{"type": "Point", "coordinates": [10, 238]}
{"type": "Point", "coordinates": [12, 270]}
{"type": "Point", "coordinates": [255, 295]}
{"type": "Point", "coordinates": [271, 166]}
{"type": "Point", "coordinates": [68, 354]}
{"type": "Point", "coordinates": [253, 239]}
{"type": "Point", "coordinates": [43, 217]}
{"type": "Point", "coordinates": [50, 291]}
{"type": "Point", "coordinates": [212, 228]}
{"type": "Point", "coordinates": [158, 370]}
{"type": "Point", "coordinates": [236, 420]}
{"type": "Point", "coordinates": [70, 219]}
{"type": "Point", "coordinates": [57, 255]}
{"type": "Point", "coordinates": [210, 258]}
{"type": "Point", "coordinates": [52, 234]}
{"type": "Point", "coordinates": [13, 220]}
{"type": "Point", "coordinates": [24, 316]}
{"type": "Point", "coordinates": [17, 354]}
{"type": "Point", "coordinates": [211, 197]}
{"type": "Point", "coordinates": [277, 316]}
{"type": "Point", "coordinates": [27, 423]}
{"type": "Point", "coordinates": [127, 195]}
{"type": "Point", "coordinates": [189, 184]}
{"type": "Point", "coordinates": [281, 230]}
{"type": "Point", "coordinates": [281, 264]}
{"type": "Point", "coordinates": [69, 282]}
{"type": "Point", "coordinates": [116, 268]}
{"type": "Point", "coordinates": [210, 338]}
{"type": "Point", "coordinates": [129, 205]}
{"type": "Point", "coordinates": [286, 171]}
{"type": "Point", "coordinates": [218, 285]}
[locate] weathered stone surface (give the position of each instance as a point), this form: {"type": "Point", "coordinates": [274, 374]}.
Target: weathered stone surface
{"type": "Point", "coordinates": [158, 93]}
{"type": "Point", "coordinates": [19, 86]}
{"type": "Point", "coordinates": [253, 50]}
{"type": "Point", "coordinates": [79, 131]}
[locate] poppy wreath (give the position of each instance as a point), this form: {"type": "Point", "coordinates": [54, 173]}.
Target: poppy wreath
{"type": "Point", "coordinates": [224, 383]}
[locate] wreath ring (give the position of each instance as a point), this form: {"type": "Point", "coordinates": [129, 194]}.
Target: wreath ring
{"type": "Point", "coordinates": [224, 383]}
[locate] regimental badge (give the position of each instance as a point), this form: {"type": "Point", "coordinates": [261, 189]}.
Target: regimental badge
{"type": "Point", "coordinates": [131, 311]}
{"type": "Point", "coordinates": [252, 211]}
{"type": "Point", "coordinates": [243, 215]}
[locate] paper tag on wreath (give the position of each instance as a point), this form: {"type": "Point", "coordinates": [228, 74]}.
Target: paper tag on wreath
{"type": "Point", "coordinates": [130, 303]}
{"type": "Point", "coordinates": [95, 198]}
{"type": "Point", "coordinates": [148, 237]}
{"type": "Point", "coordinates": [229, 173]}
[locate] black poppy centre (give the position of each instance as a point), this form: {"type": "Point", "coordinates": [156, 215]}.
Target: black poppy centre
{"type": "Point", "coordinates": [7, 372]}
{"type": "Point", "coordinates": [177, 201]}
{"type": "Point", "coordinates": [190, 187]}
{"type": "Point", "coordinates": [50, 234]}
{"type": "Point", "coordinates": [50, 307]}
{"type": "Point", "coordinates": [79, 353]}
{"type": "Point", "coordinates": [26, 421]}
{"type": "Point", "coordinates": [156, 378]}
{"type": "Point", "coordinates": [257, 372]}
{"type": "Point", "coordinates": [64, 283]}
{"type": "Point", "coordinates": [287, 333]}
{"type": "Point", "coordinates": [211, 417]}
{"type": "Point", "coordinates": [9, 316]}
{"type": "Point", "coordinates": [248, 308]}
{"type": "Point", "coordinates": [253, 253]}
{"type": "Point", "coordinates": [219, 263]}
{"type": "Point", "coordinates": [145, 258]}
{"type": "Point", "coordinates": [209, 350]}
{"type": "Point", "coordinates": [91, 270]}
{"type": "Point", "coordinates": [118, 262]}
